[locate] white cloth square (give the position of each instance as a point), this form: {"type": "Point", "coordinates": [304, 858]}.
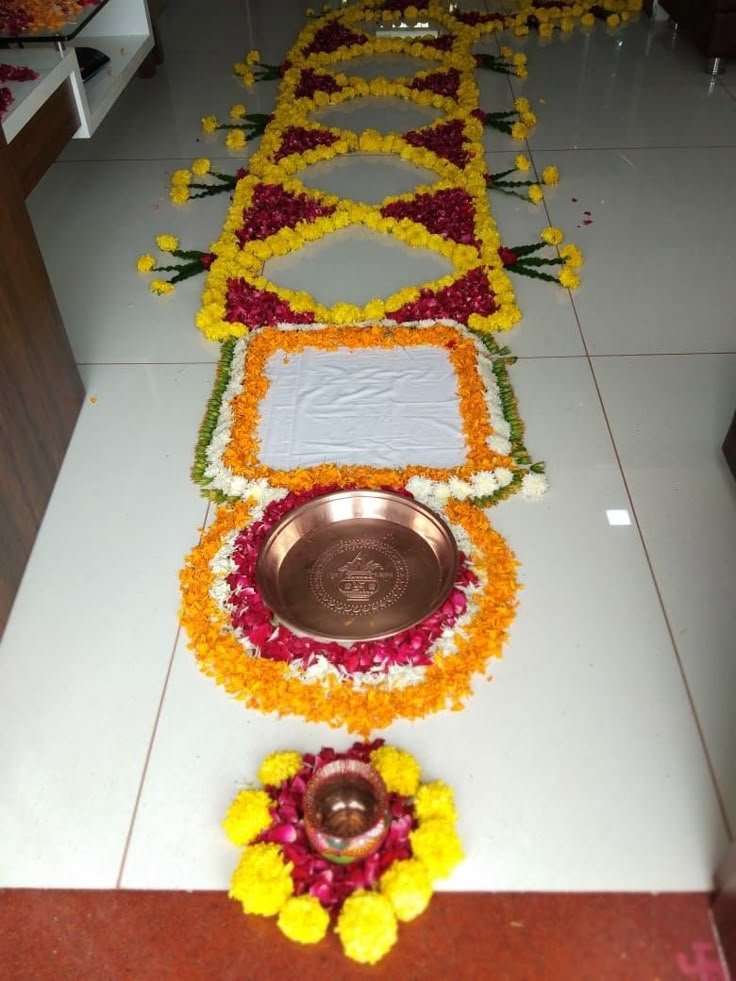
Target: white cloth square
{"type": "Point", "coordinates": [379, 407]}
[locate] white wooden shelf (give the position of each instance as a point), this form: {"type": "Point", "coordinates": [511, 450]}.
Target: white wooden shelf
{"type": "Point", "coordinates": [28, 97]}
{"type": "Point", "coordinates": [122, 30]}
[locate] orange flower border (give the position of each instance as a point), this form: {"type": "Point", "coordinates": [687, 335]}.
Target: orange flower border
{"type": "Point", "coordinates": [227, 457]}
{"type": "Point", "coordinates": [243, 452]}
{"type": "Point", "coordinates": [267, 686]}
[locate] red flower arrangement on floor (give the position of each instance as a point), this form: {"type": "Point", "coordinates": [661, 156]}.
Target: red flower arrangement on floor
{"type": "Point", "coordinates": [458, 301]}
{"type": "Point", "coordinates": [281, 872]}
{"type": "Point", "coordinates": [298, 139]}
{"type": "Point", "coordinates": [333, 36]}
{"type": "Point", "coordinates": [254, 620]}
{"type": "Point", "coordinates": [312, 81]}
{"type": "Point", "coordinates": [259, 308]}
{"type": "Point", "coordinates": [447, 140]}
{"type": "Point", "coordinates": [273, 208]}
{"type": "Point", "coordinates": [449, 213]}
{"type": "Point", "coordinates": [445, 83]}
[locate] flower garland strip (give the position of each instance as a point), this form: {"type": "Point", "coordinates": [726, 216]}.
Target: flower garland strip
{"type": "Point", "coordinates": [280, 874]}
{"type": "Point", "coordinates": [237, 291]}
{"type": "Point", "coordinates": [547, 16]}
{"type": "Point", "coordinates": [323, 696]}
{"type": "Point", "coordinates": [227, 457]}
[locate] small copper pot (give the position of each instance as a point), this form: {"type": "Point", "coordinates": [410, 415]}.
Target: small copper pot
{"type": "Point", "coordinates": [346, 811]}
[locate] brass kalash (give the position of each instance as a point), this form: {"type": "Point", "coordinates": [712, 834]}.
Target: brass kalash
{"type": "Point", "coordinates": [354, 566]}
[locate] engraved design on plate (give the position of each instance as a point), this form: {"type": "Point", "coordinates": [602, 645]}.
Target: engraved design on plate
{"type": "Point", "coordinates": [359, 576]}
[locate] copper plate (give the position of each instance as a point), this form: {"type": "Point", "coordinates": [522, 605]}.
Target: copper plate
{"type": "Point", "coordinates": [357, 565]}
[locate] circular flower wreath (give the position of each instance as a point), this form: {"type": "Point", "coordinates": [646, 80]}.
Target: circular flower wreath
{"type": "Point", "coordinates": [365, 686]}
{"type": "Point", "coordinates": [254, 621]}
{"type": "Point", "coordinates": [280, 874]}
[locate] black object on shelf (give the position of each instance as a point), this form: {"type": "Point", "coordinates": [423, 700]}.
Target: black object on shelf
{"type": "Point", "coordinates": [90, 61]}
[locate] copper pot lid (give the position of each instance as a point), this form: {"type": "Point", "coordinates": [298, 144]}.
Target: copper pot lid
{"type": "Point", "coordinates": [357, 565]}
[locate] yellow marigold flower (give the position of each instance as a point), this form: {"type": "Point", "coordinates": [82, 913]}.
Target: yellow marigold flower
{"type": "Point", "coordinates": [551, 176]}
{"type": "Point", "coordinates": [279, 767]}
{"type": "Point", "coordinates": [247, 816]}
{"type": "Point", "coordinates": [179, 194]}
{"type": "Point", "coordinates": [519, 131]}
{"type": "Point", "coordinates": [303, 919]}
{"type": "Point", "coordinates": [201, 166]}
{"type": "Point", "coordinates": [587, 20]}
{"type": "Point", "coordinates": [262, 882]}
{"type": "Point", "coordinates": [370, 141]}
{"type": "Point", "coordinates": [520, 58]}
{"type": "Point", "coordinates": [367, 927]}
{"type": "Point", "coordinates": [567, 24]}
{"type": "Point", "coordinates": [167, 243]}
{"type": "Point", "coordinates": [253, 57]}
{"type": "Point", "coordinates": [529, 119]}
{"type": "Point", "coordinates": [572, 255]}
{"type": "Point", "coordinates": [309, 11]}
{"type": "Point", "coordinates": [240, 68]}
{"type": "Point", "coordinates": [552, 236]}
{"type": "Point", "coordinates": [535, 193]}
{"type": "Point", "coordinates": [145, 263]}
{"type": "Point", "coordinates": [411, 12]}
{"type": "Point", "coordinates": [522, 105]}
{"type": "Point", "coordinates": [522, 163]}
{"type": "Point", "coordinates": [161, 287]}
{"type": "Point", "coordinates": [521, 72]}
{"type": "Point", "coordinates": [435, 800]}
{"type": "Point", "coordinates": [521, 31]}
{"type": "Point", "coordinates": [180, 178]}
{"type": "Point", "coordinates": [568, 278]}
{"type": "Point", "coordinates": [506, 51]}
{"type": "Point", "coordinates": [399, 769]}
{"type": "Point", "coordinates": [408, 888]}
{"type": "Point", "coordinates": [248, 79]}
{"type": "Point", "coordinates": [613, 20]}
{"type": "Point", "coordinates": [235, 139]}
{"type": "Point", "coordinates": [436, 844]}
{"type": "Point", "coordinates": [238, 111]}
{"type": "Point", "coordinates": [209, 124]}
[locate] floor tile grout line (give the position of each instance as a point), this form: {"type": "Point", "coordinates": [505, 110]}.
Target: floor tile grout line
{"type": "Point", "coordinates": [726, 89]}
{"type": "Point", "coordinates": [154, 732]}
{"type": "Point", "coordinates": [678, 657]}
{"type": "Point", "coordinates": [654, 149]}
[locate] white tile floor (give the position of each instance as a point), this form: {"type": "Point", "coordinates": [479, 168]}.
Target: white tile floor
{"type": "Point", "coordinates": [119, 756]}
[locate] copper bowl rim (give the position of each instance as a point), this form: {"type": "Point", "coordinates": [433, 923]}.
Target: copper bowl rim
{"type": "Point", "coordinates": [358, 768]}
{"type": "Point", "coordinates": [316, 502]}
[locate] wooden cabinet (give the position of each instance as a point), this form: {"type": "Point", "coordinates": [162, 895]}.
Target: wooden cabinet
{"type": "Point", "coordinates": [40, 388]}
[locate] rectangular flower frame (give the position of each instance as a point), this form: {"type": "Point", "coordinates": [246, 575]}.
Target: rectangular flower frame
{"type": "Point", "coordinates": [227, 460]}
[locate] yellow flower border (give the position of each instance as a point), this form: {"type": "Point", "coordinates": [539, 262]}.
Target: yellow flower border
{"type": "Point", "coordinates": [247, 263]}
{"type": "Point", "coordinates": [367, 924]}
{"type": "Point", "coordinates": [266, 685]}
{"type": "Point", "coordinates": [242, 455]}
